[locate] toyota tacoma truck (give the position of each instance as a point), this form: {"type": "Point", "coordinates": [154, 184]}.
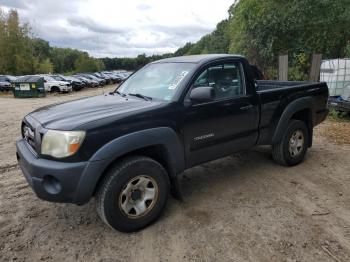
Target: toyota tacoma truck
{"type": "Point", "coordinates": [127, 148]}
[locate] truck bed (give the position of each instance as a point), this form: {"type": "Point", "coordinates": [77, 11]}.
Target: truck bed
{"type": "Point", "coordinates": [263, 85]}
{"type": "Point", "coordinates": [275, 97]}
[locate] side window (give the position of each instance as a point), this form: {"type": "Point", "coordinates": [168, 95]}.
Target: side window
{"type": "Point", "coordinates": [226, 79]}
{"type": "Point", "coordinates": [202, 80]}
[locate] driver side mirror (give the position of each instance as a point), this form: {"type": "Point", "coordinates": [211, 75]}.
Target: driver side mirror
{"type": "Point", "coordinates": [202, 94]}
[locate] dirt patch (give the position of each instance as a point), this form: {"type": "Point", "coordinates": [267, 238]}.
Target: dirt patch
{"type": "Point", "coordinates": [239, 208]}
{"type": "Point", "coordinates": [337, 131]}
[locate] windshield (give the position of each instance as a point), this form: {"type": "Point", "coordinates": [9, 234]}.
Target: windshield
{"type": "Point", "coordinates": [88, 77]}
{"type": "Point", "coordinates": [58, 78]}
{"type": "Point", "coordinates": [72, 78]}
{"type": "Point", "coordinates": [84, 78]}
{"type": "Point", "coordinates": [49, 78]}
{"type": "Point", "coordinates": [158, 81]}
{"type": "Point", "coordinates": [93, 77]}
{"type": "Point", "coordinates": [12, 78]}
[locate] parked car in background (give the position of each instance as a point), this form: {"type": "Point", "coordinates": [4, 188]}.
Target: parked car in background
{"type": "Point", "coordinates": [6, 82]}
{"type": "Point", "coordinates": [62, 83]}
{"type": "Point", "coordinates": [108, 79]}
{"type": "Point", "coordinates": [100, 81]}
{"type": "Point", "coordinates": [116, 78]}
{"type": "Point", "coordinates": [75, 82]}
{"type": "Point", "coordinates": [88, 82]}
{"type": "Point", "coordinates": [7, 78]}
{"type": "Point", "coordinates": [113, 77]}
{"type": "Point", "coordinates": [5, 86]}
{"type": "Point", "coordinates": [122, 74]}
{"type": "Point", "coordinates": [55, 86]}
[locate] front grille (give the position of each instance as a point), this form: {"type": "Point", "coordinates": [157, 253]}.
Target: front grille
{"type": "Point", "coordinates": [28, 134]}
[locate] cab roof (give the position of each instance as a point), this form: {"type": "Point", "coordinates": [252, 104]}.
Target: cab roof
{"type": "Point", "coordinates": [197, 59]}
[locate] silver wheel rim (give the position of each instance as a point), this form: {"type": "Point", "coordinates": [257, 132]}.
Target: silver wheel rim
{"type": "Point", "coordinates": [138, 196]}
{"type": "Point", "coordinates": [296, 143]}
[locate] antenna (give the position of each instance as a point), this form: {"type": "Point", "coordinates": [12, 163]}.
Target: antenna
{"type": "Point", "coordinates": [98, 54]}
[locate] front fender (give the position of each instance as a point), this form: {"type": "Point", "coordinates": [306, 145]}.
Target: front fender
{"type": "Point", "coordinates": [120, 146]}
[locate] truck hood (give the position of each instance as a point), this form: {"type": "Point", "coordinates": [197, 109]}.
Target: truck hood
{"type": "Point", "coordinates": [71, 115]}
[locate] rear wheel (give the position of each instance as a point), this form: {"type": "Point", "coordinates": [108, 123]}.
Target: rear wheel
{"type": "Point", "coordinates": [292, 148]}
{"type": "Point", "coordinates": [133, 194]}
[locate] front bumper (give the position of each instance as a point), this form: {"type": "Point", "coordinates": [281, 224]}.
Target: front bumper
{"type": "Point", "coordinates": [66, 88]}
{"type": "Point", "coordinates": [58, 181]}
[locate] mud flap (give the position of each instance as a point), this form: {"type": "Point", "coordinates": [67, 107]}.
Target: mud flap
{"type": "Point", "coordinates": [176, 188]}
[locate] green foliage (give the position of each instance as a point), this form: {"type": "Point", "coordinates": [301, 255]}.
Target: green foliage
{"type": "Point", "coordinates": [45, 67]}
{"type": "Point", "coordinates": [184, 50]}
{"type": "Point", "coordinates": [131, 63]}
{"type": "Point", "coordinates": [347, 50]}
{"type": "Point", "coordinates": [215, 42]}
{"type": "Point", "coordinates": [15, 47]}
{"type": "Point", "coordinates": [41, 48]}
{"type": "Point", "coordinates": [337, 115]}
{"type": "Point", "coordinates": [262, 30]}
{"type": "Point", "coordinates": [88, 64]}
{"type": "Point", "coordinates": [299, 67]}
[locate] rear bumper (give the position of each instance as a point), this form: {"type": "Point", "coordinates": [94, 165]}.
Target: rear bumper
{"type": "Point", "coordinates": [58, 181]}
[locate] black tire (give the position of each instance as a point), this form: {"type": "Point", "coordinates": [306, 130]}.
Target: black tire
{"type": "Point", "coordinates": [280, 151]}
{"type": "Point", "coordinates": [55, 89]}
{"type": "Point", "coordinates": [117, 177]}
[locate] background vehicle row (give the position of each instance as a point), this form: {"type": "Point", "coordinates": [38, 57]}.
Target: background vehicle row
{"type": "Point", "coordinates": [64, 83]}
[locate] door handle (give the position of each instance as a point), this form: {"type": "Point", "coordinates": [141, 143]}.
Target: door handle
{"type": "Point", "coordinates": [246, 107]}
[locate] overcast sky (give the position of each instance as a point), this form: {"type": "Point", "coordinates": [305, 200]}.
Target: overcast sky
{"type": "Point", "coordinates": [120, 27]}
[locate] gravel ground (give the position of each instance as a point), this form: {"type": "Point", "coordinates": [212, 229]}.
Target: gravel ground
{"type": "Point", "coordinates": [240, 208]}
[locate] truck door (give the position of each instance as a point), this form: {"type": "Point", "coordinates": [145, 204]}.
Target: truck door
{"type": "Point", "coordinates": [223, 126]}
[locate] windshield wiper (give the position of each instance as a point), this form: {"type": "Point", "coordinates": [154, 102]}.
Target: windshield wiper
{"type": "Point", "coordinates": [117, 92]}
{"type": "Point", "coordinates": [147, 98]}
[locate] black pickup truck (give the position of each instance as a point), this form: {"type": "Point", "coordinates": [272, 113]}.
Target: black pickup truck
{"type": "Point", "coordinates": [128, 147]}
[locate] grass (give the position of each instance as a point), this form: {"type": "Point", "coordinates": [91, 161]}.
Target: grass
{"type": "Point", "coordinates": [338, 116]}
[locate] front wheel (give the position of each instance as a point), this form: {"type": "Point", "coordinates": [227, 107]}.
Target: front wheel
{"type": "Point", "coordinates": [55, 89]}
{"type": "Point", "coordinates": [292, 148]}
{"type": "Point", "coordinates": [133, 194]}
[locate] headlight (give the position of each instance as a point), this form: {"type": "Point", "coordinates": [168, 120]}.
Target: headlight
{"type": "Point", "coordinates": [61, 144]}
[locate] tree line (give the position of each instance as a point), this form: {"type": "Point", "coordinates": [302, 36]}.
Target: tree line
{"type": "Point", "coordinates": [260, 30]}
{"type": "Point", "coordinates": [263, 30]}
